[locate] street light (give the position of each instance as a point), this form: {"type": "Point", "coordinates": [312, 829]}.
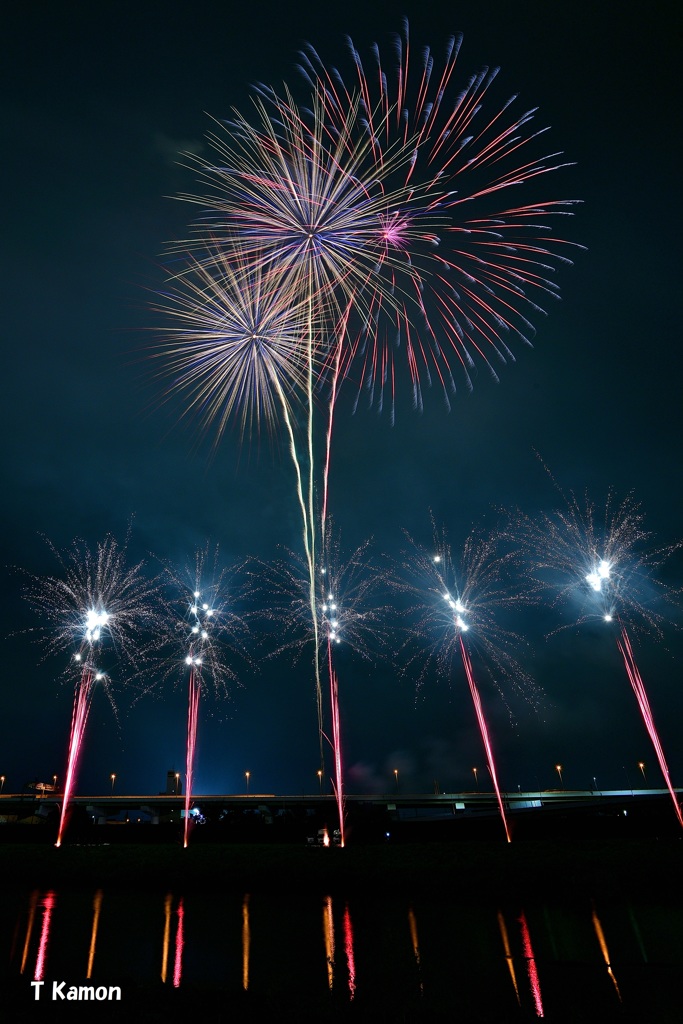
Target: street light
{"type": "Point", "coordinates": [247, 776]}
{"type": "Point", "coordinates": [2, 783]}
{"type": "Point", "coordinates": [54, 781]}
{"type": "Point", "coordinates": [177, 782]}
{"type": "Point", "coordinates": [641, 765]}
{"type": "Point", "coordinates": [396, 778]}
{"type": "Point", "coordinates": [113, 780]}
{"type": "Point", "coordinates": [320, 780]}
{"type": "Point", "coordinates": [558, 769]}
{"type": "Point", "coordinates": [475, 772]}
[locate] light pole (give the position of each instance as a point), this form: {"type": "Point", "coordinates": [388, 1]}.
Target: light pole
{"type": "Point", "coordinates": [475, 772]}
{"type": "Point", "coordinates": [2, 783]}
{"type": "Point", "coordinates": [247, 776]}
{"type": "Point", "coordinates": [54, 782]}
{"type": "Point", "coordinates": [558, 769]}
{"type": "Point", "coordinates": [113, 780]}
{"type": "Point", "coordinates": [396, 778]}
{"type": "Point", "coordinates": [177, 782]}
{"type": "Point", "coordinates": [320, 780]}
{"type": "Point", "coordinates": [641, 765]}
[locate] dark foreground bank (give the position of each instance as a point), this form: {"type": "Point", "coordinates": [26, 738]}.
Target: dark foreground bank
{"type": "Point", "coordinates": [608, 869]}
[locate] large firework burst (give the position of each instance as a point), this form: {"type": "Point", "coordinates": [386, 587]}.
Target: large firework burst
{"type": "Point", "coordinates": [468, 255]}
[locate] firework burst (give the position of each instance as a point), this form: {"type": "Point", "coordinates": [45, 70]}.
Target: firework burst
{"type": "Point", "coordinates": [309, 202]}
{"type": "Point", "coordinates": [454, 615]}
{"type": "Point", "coordinates": [200, 631]}
{"type": "Point", "coordinates": [348, 600]}
{"type": "Point", "coordinates": [97, 602]}
{"type": "Point", "coordinates": [97, 599]}
{"type": "Point", "coordinates": [236, 342]}
{"type": "Point", "coordinates": [469, 255]}
{"type": "Point", "coordinates": [351, 610]}
{"type": "Point", "coordinates": [598, 562]}
{"type": "Point", "coordinates": [601, 565]}
{"type": "Point", "coordinates": [448, 601]}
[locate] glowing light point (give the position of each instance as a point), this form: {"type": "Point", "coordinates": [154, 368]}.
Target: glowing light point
{"type": "Point", "coordinates": [437, 558]}
{"type": "Point", "coordinates": [608, 617]}
{"type": "Point", "coordinates": [596, 577]}
{"type": "Point", "coordinates": [195, 629]}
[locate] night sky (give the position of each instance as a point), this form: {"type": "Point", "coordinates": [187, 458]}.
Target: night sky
{"type": "Point", "coordinates": [96, 108]}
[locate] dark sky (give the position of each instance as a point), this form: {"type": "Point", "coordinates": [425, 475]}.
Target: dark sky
{"type": "Point", "coordinates": [95, 108]}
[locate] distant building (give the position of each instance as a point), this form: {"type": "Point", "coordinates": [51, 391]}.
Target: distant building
{"type": "Point", "coordinates": [174, 785]}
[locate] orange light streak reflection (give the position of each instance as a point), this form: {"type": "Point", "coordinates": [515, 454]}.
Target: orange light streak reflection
{"type": "Point", "coordinates": [32, 904]}
{"type": "Point", "coordinates": [246, 941]}
{"type": "Point", "coordinates": [96, 906]}
{"type": "Point", "coordinates": [508, 954]}
{"type": "Point", "coordinates": [167, 933]}
{"type": "Point", "coordinates": [328, 933]}
{"type": "Point", "coordinates": [604, 950]}
{"type": "Point", "coordinates": [416, 946]}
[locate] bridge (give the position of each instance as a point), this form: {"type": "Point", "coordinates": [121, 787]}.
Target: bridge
{"type": "Point", "coordinates": [157, 808]}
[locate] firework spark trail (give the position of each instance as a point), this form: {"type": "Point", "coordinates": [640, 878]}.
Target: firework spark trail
{"type": "Point", "coordinates": [197, 620]}
{"type": "Point", "coordinates": [483, 729]}
{"type": "Point", "coordinates": [603, 566]}
{"type": "Point", "coordinates": [97, 599]}
{"type": "Point", "coordinates": [348, 614]}
{"type": "Point", "coordinates": [192, 719]}
{"type": "Point", "coordinates": [346, 200]}
{"type": "Point", "coordinates": [302, 204]}
{"type": "Point", "coordinates": [338, 780]}
{"type": "Point", "coordinates": [460, 255]}
{"type": "Point", "coordinates": [624, 645]}
{"type": "Point", "coordinates": [446, 603]}
{"type": "Point", "coordinates": [81, 709]}
{"type": "Point", "coordinates": [243, 341]}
